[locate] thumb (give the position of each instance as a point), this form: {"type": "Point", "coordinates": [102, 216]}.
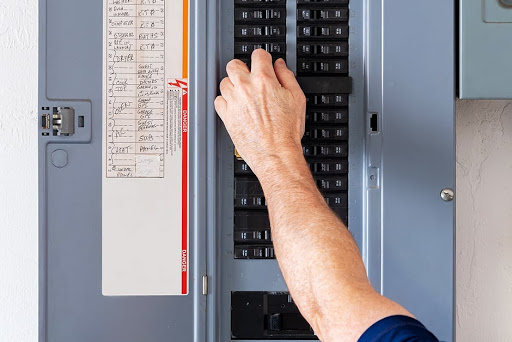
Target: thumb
{"type": "Point", "coordinates": [220, 106]}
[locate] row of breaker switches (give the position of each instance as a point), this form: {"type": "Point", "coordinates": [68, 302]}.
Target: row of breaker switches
{"type": "Point", "coordinates": [247, 202]}
{"type": "Point", "coordinates": [250, 188]}
{"type": "Point", "coordinates": [275, 14]}
{"type": "Point", "coordinates": [318, 168]}
{"type": "Point", "coordinates": [303, 31]}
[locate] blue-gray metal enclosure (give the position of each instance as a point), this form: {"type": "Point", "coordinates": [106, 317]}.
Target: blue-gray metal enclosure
{"type": "Point", "coordinates": [402, 62]}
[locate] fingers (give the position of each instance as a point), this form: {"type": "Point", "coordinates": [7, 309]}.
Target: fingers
{"type": "Point", "coordinates": [261, 63]}
{"type": "Point", "coordinates": [226, 88]}
{"type": "Point", "coordinates": [237, 70]}
{"type": "Point", "coordinates": [220, 106]}
{"type": "Point", "coordinates": [286, 77]}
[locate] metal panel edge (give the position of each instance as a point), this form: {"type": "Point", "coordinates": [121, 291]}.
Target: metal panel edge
{"type": "Point", "coordinates": [357, 124]}
{"type": "Point", "coordinates": [42, 179]}
{"type": "Point", "coordinates": [211, 50]}
{"type": "Point", "coordinates": [199, 217]}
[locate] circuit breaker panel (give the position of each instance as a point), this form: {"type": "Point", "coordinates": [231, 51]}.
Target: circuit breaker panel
{"type": "Point", "coordinates": [153, 228]}
{"type": "Point", "coordinates": [356, 65]}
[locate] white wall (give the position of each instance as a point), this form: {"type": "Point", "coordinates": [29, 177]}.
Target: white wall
{"type": "Point", "coordinates": [484, 196]}
{"type": "Point", "coordinates": [18, 170]}
{"type": "Point", "coordinates": [484, 221]}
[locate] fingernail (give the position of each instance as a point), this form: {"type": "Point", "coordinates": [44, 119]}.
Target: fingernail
{"type": "Point", "coordinates": [281, 61]}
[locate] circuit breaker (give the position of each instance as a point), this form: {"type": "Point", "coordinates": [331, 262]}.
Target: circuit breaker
{"type": "Point", "coordinates": [153, 228]}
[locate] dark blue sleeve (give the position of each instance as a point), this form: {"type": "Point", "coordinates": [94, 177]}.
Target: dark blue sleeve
{"type": "Point", "coordinates": [398, 329]}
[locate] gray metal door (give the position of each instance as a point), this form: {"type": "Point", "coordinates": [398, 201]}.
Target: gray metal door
{"type": "Point", "coordinates": [72, 307]}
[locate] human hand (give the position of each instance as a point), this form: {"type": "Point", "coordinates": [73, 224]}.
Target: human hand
{"type": "Point", "coordinates": [263, 110]}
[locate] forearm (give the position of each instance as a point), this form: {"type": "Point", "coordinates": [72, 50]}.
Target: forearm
{"type": "Point", "coordinates": [321, 264]}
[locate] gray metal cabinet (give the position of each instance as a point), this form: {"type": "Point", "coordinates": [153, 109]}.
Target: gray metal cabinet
{"type": "Point", "coordinates": [400, 158]}
{"type": "Point", "coordinates": [485, 49]}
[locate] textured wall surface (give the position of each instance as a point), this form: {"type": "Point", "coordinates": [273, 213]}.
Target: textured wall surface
{"type": "Point", "coordinates": [484, 221]}
{"type": "Point", "coordinates": [484, 196]}
{"type": "Point", "coordinates": [18, 170]}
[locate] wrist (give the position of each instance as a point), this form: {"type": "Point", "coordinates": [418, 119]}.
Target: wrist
{"type": "Point", "coordinates": [285, 172]}
{"type": "Point", "coordinates": [279, 160]}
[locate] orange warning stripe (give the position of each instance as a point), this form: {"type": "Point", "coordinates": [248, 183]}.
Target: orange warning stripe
{"type": "Point", "coordinates": [185, 39]}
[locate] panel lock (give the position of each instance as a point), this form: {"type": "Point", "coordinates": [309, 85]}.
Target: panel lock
{"type": "Point", "coordinates": [63, 121]}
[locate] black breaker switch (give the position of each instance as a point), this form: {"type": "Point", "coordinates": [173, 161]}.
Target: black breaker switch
{"type": "Point", "coordinates": [254, 252]}
{"type": "Point", "coordinates": [325, 31]}
{"type": "Point", "coordinates": [327, 100]}
{"type": "Point", "coordinates": [257, 14]}
{"type": "Point", "coordinates": [327, 117]}
{"type": "Point", "coordinates": [328, 66]}
{"type": "Point", "coordinates": [253, 31]}
{"type": "Point", "coordinates": [323, 49]}
{"type": "Point", "coordinates": [340, 150]}
{"type": "Point", "coordinates": [321, 15]}
{"type": "Point", "coordinates": [329, 167]}
{"type": "Point", "coordinates": [248, 48]}
{"type": "Point", "coordinates": [340, 133]}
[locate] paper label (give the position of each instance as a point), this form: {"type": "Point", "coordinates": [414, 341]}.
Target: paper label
{"type": "Point", "coordinates": [145, 148]}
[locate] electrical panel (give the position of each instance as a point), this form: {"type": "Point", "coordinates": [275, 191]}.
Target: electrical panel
{"type": "Point", "coordinates": [485, 51]}
{"type": "Point", "coordinates": [151, 225]}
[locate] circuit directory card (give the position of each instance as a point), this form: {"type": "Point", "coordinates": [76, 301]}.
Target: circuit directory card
{"type": "Point", "coordinates": [145, 148]}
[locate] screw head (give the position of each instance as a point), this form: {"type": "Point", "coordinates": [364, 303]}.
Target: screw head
{"type": "Point", "coordinates": [447, 194]}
